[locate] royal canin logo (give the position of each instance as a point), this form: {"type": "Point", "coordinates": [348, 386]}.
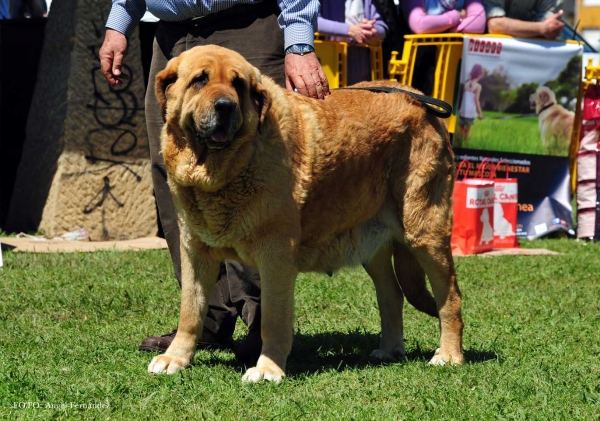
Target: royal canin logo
{"type": "Point", "coordinates": [478, 198]}
{"type": "Point", "coordinates": [482, 46]}
{"type": "Point", "coordinates": [505, 192]}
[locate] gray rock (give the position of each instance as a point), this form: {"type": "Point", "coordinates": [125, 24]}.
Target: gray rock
{"type": "Point", "coordinates": [85, 159]}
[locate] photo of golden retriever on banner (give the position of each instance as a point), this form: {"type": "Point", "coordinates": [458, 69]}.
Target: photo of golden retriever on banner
{"type": "Point", "coordinates": [555, 122]}
{"type": "Point", "coordinates": [290, 184]}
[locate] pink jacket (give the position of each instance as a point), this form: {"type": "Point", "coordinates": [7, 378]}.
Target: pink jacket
{"type": "Point", "coordinates": [421, 23]}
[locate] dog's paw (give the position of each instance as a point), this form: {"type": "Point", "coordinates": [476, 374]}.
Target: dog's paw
{"type": "Point", "coordinates": [396, 355]}
{"type": "Point", "coordinates": [255, 375]}
{"type": "Point", "coordinates": [163, 364]}
{"type": "Point", "coordinates": [441, 359]}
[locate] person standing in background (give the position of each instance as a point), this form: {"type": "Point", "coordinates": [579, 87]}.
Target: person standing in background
{"type": "Point", "coordinates": [359, 21]}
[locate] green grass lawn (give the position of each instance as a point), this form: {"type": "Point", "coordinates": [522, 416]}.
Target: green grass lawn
{"type": "Point", "coordinates": [70, 325]}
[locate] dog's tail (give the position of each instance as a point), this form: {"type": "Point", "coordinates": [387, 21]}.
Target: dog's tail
{"type": "Point", "coordinates": [411, 278]}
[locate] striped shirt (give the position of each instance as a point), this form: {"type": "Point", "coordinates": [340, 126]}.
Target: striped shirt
{"type": "Point", "coordinates": [298, 18]}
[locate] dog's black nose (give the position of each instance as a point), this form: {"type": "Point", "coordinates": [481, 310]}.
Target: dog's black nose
{"type": "Point", "coordinates": [224, 105]}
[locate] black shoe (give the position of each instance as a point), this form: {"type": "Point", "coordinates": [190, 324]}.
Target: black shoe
{"type": "Point", "coordinates": [208, 341]}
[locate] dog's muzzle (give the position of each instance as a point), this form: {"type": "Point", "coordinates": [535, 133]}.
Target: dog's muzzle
{"type": "Point", "coordinates": [219, 131]}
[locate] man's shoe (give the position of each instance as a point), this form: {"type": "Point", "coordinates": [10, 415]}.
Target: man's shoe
{"type": "Point", "coordinates": [208, 341]}
{"type": "Point", "coordinates": [157, 343]}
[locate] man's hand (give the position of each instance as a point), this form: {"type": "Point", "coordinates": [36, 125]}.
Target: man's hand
{"type": "Point", "coordinates": [111, 54]}
{"type": "Point", "coordinates": [552, 27]}
{"type": "Point", "coordinates": [305, 74]}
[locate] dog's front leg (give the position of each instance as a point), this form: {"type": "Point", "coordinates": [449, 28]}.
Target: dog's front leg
{"type": "Point", "coordinates": [198, 275]}
{"type": "Point", "coordinates": [278, 276]}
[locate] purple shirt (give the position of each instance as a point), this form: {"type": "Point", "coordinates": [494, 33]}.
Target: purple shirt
{"type": "Point", "coordinates": [422, 23]}
{"type": "Point", "coordinates": [332, 18]}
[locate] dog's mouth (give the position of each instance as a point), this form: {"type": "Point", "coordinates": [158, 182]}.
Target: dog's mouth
{"type": "Point", "coordinates": [216, 130]}
{"type": "Point", "coordinates": [218, 139]}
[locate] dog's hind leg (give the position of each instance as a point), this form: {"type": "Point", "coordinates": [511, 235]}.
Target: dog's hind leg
{"type": "Point", "coordinates": [390, 301]}
{"type": "Point", "coordinates": [439, 267]}
{"type": "Point", "coordinates": [426, 217]}
{"type": "Point", "coordinates": [412, 280]}
{"type": "Point", "coordinates": [198, 275]}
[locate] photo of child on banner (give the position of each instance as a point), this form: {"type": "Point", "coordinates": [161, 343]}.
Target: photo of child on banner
{"type": "Point", "coordinates": [473, 206]}
{"type": "Point", "coordinates": [588, 168]}
{"type": "Point", "coordinates": [470, 107]}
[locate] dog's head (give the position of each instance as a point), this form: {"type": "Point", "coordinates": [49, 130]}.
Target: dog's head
{"type": "Point", "coordinates": [213, 95]}
{"type": "Point", "coordinates": [541, 98]}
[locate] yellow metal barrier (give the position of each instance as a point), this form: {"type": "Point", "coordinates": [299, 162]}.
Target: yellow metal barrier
{"type": "Point", "coordinates": [448, 55]}
{"type": "Point", "coordinates": [333, 55]}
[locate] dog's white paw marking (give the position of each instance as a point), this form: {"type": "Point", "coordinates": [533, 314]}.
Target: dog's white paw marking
{"type": "Point", "coordinates": [437, 361]}
{"type": "Point", "coordinates": [255, 375]}
{"type": "Point", "coordinates": [441, 360]}
{"type": "Point", "coordinates": [397, 355]}
{"type": "Point", "coordinates": [162, 364]}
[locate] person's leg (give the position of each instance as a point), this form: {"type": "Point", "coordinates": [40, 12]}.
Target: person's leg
{"type": "Point", "coordinates": [222, 314]}
{"type": "Point", "coordinates": [460, 136]}
{"type": "Point", "coordinates": [161, 53]}
{"type": "Point", "coordinates": [167, 44]}
{"type": "Point", "coordinates": [467, 131]}
{"type": "Point", "coordinates": [359, 65]}
{"type": "Point", "coordinates": [466, 134]}
{"type": "Point", "coordinates": [424, 72]}
{"type": "Point", "coordinates": [244, 295]}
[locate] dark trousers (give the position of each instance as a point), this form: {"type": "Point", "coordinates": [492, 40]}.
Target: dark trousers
{"type": "Point", "coordinates": [252, 31]}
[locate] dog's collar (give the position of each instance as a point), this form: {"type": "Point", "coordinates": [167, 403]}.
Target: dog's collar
{"type": "Point", "coordinates": [432, 105]}
{"type": "Point", "coordinates": [545, 107]}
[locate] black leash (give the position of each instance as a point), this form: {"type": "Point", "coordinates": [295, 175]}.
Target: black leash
{"type": "Point", "coordinates": [432, 105]}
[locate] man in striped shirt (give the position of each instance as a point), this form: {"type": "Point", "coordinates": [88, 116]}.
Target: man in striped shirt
{"type": "Point", "coordinates": [276, 36]}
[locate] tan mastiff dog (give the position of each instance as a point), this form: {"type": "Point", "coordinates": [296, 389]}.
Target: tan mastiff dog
{"type": "Point", "coordinates": [290, 184]}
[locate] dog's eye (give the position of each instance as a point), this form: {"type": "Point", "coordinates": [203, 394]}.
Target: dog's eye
{"type": "Point", "coordinates": [238, 84]}
{"type": "Point", "coordinates": [200, 80]}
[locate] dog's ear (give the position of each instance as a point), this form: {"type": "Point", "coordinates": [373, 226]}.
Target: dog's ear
{"type": "Point", "coordinates": [164, 81]}
{"type": "Point", "coordinates": [544, 97]}
{"type": "Point", "coordinates": [260, 96]}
